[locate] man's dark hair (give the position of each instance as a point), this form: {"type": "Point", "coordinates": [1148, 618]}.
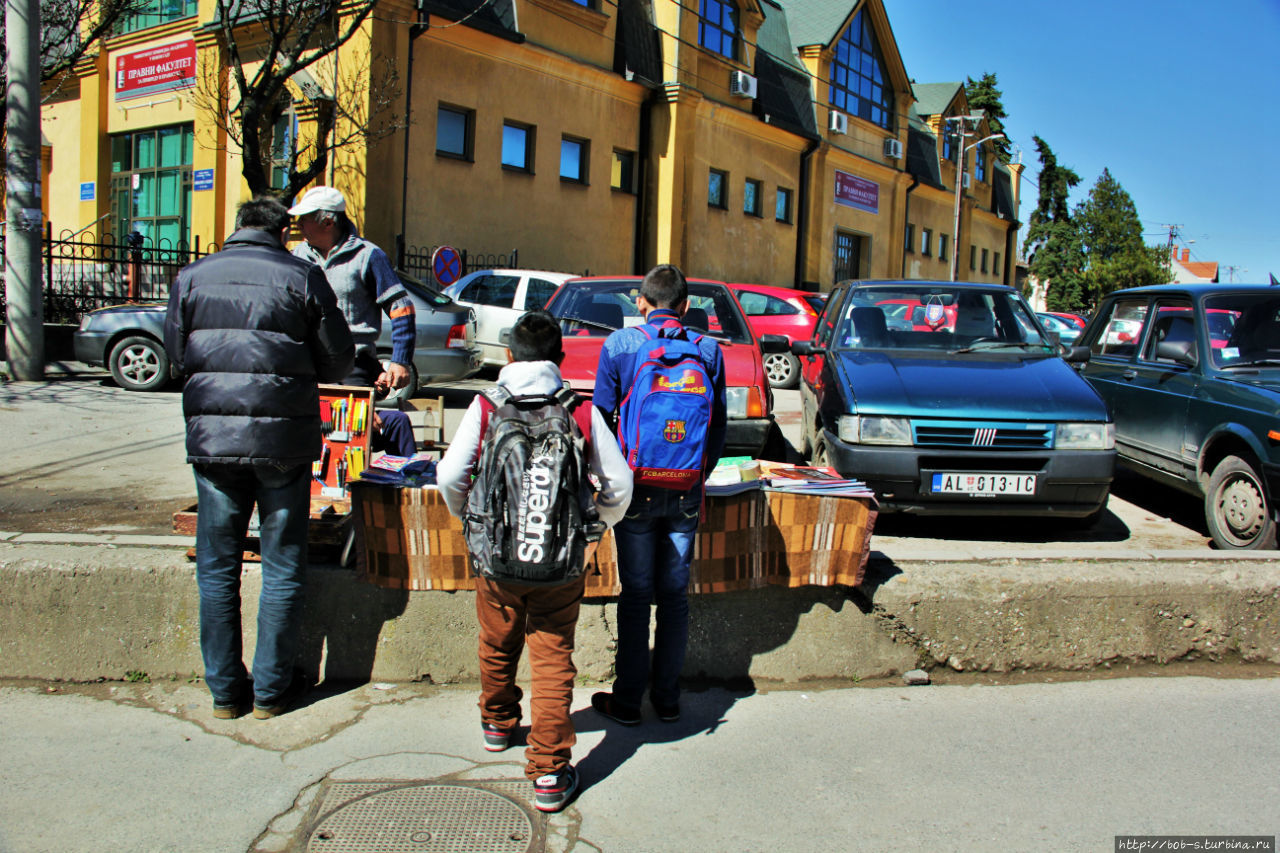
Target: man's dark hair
{"type": "Point", "coordinates": [264, 213]}
{"type": "Point", "coordinates": [536, 337]}
{"type": "Point", "coordinates": [664, 286]}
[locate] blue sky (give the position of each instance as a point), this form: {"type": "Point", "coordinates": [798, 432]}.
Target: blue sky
{"type": "Point", "coordinates": [1180, 100]}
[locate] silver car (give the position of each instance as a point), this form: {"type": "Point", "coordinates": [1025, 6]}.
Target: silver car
{"type": "Point", "coordinates": [499, 297]}
{"type": "Point", "coordinates": [129, 341]}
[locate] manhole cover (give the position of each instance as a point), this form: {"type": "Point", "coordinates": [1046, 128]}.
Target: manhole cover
{"type": "Point", "coordinates": [425, 819]}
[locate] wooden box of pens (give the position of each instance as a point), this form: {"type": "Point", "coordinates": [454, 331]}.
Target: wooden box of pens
{"type": "Point", "coordinates": [346, 421]}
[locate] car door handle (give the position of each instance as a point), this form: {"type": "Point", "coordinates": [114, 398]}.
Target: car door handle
{"type": "Point", "coordinates": [1129, 374]}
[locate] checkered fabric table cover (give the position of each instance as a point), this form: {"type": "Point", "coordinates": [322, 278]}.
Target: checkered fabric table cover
{"type": "Point", "coordinates": [406, 539]}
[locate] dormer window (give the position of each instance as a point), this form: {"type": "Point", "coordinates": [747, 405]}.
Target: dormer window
{"type": "Point", "coordinates": [718, 27]}
{"type": "Point", "coordinates": [859, 84]}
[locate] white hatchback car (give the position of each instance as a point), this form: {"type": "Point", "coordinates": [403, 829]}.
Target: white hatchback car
{"type": "Point", "coordinates": [499, 297]}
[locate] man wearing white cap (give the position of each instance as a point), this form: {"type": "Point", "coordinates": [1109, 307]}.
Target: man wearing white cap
{"type": "Point", "coordinates": [366, 286]}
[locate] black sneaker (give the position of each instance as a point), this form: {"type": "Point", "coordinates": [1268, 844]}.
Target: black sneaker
{"type": "Point", "coordinates": [552, 792]}
{"type": "Point", "coordinates": [667, 713]}
{"type": "Point", "coordinates": [605, 704]}
{"type": "Point", "coordinates": [496, 739]}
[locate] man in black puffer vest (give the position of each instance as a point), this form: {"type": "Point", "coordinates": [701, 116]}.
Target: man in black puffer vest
{"type": "Point", "coordinates": [253, 330]}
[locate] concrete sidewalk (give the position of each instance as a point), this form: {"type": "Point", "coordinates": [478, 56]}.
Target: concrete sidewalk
{"type": "Point", "coordinates": [383, 767]}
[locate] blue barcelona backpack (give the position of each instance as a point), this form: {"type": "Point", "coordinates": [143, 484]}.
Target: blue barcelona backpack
{"type": "Point", "coordinates": [665, 417]}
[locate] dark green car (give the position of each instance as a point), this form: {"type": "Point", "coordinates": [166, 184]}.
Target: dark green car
{"type": "Point", "coordinates": [1191, 374]}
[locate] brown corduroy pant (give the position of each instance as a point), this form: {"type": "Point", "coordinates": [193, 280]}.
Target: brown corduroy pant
{"type": "Point", "coordinates": [544, 617]}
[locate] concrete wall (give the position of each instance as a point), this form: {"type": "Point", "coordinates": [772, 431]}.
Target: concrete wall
{"type": "Point", "coordinates": [89, 612]}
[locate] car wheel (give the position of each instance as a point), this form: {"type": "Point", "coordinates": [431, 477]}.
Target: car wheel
{"type": "Point", "coordinates": [819, 455]}
{"type": "Point", "coordinates": [1236, 507]}
{"type": "Point", "coordinates": [139, 364]}
{"type": "Point", "coordinates": [782, 369]}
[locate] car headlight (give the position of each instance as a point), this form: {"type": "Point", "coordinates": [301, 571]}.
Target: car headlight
{"type": "Point", "coordinates": [1092, 436]}
{"type": "Point", "coordinates": [865, 429]}
{"type": "Point", "coordinates": [85, 321]}
{"type": "Point", "coordinates": [742, 403]}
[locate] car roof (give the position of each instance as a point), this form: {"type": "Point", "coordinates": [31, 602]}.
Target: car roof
{"type": "Point", "coordinates": [1196, 289]}
{"type": "Point", "coordinates": [772, 288]}
{"type": "Point", "coordinates": [919, 282]}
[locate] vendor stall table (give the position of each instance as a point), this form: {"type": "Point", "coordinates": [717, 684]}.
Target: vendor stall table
{"type": "Point", "coordinates": [406, 539]}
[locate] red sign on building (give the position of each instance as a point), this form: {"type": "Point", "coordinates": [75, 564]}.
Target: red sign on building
{"type": "Point", "coordinates": [160, 69]}
{"type": "Point", "coordinates": [852, 191]}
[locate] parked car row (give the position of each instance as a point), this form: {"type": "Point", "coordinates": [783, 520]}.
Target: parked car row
{"type": "Point", "coordinates": [129, 341]}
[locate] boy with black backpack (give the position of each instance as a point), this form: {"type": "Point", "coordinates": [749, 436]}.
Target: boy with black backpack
{"type": "Point", "coordinates": [667, 385]}
{"type": "Point", "coordinates": [516, 473]}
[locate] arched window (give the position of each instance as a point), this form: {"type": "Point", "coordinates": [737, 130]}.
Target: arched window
{"type": "Point", "coordinates": [718, 27]}
{"type": "Point", "coordinates": [859, 85]}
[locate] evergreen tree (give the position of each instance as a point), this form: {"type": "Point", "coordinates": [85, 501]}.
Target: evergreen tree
{"type": "Point", "coordinates": [1111, 234]}
{"type": "Point", "coordinates": [1053, 244]}
{"type": "Point", "coordinates": [985, 97]}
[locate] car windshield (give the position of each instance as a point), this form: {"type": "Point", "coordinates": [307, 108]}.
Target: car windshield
{"type": "Point", "coordinates": [938, 317]}
{"type": "Point", "coordinates": [1244, 329]}
{"type": "Point", "coordinates": [596, 308]}
{"type": "Point", "coordinates": [425, 292]}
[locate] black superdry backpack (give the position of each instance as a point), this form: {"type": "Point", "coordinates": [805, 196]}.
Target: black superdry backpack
{"type": "Point", "coordinates": [530, 511]}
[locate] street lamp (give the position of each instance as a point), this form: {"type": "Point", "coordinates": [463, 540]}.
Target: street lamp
{"type": "Point", "coordinates": [960, 171]}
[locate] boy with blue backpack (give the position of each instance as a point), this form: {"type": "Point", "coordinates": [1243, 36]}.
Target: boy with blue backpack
{"type": "Point", "coordinates": [666, 384]}
{"type": "Point", "coordinates": [517, 474]}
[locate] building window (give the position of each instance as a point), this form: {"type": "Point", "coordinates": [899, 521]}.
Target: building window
{"type": "Point", "coordinates": [585, 3]}
{"type": "Point", "coordinates": [150, 13]}
{"type": "Point", "coordinates": [848, 256]}
{"type": "Point", "coordinates": [517, 147]}
{"type": "Point", "coordinates": [573, 160]}
{"type": "Point", "coordinates": [911, 238]}
{"type": "Point", "coordinates": [751, 192]}
{"type": "Point", "coordinates": [623, 174]}
{"type": "Point", "coordinates": [950, 141]}
{"type": "Point", "coordinates": [717, 192]}
{"type": "Point", "coordinates": [984, 260]}
{"type": "Point", "coordinates": [980, 164]}
{"type": "Point", "coordinates": [782, 205]}
{"type": "Point", "coordinates": [718, 27]}
{"type": "Point", "coordinates": [926, 240]}
{"type": "Point", "coordinates": [859, 84]}
{"type": "Point", "coordinates": [973, 258]}
{"type": "Point", "coordinates": [284, 141]}
{"type": "Point", "coordinates": [151, 184]}
{"type": "Point", "coordinates": [942, 246]}
{"type": "Point", "coordinates": [454, 132]}
{"type": "Point", "coordinates": [995, 264]}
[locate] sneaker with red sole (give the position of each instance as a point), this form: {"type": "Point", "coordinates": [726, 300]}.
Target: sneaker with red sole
{"type": "Point", "coordinates": [553, 791]}
{"type": "Point", "coordinates": [496, 739]}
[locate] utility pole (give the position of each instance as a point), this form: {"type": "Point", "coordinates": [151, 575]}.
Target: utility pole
{"type": "Point", "coordinates": [961, 151]}
{"type": "Point", "coordinates": [24, 335]}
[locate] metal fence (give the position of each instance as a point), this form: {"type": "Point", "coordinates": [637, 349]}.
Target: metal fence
{"type": "Point", "coordinates": [81, 272]}
{"type": "Point", "coordinates": [416, 260]}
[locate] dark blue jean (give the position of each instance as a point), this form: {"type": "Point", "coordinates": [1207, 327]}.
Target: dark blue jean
{"type": "Point", "coordinates": [226, 496]}
{"type": "Point", "coordinates": [655, 546]}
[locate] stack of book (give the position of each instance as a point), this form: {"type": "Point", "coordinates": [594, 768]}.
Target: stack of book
{"type": "Point", "coordinates": [405, 471]}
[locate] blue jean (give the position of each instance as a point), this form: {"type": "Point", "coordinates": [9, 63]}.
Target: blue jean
{"type": "Point", "coordinates": [655, 546]}
{"type": "Point", "coordinates": [226, 495]}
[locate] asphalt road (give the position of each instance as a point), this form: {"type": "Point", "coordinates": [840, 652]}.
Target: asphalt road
{"type": "Point", "coordinates": [82, 455]}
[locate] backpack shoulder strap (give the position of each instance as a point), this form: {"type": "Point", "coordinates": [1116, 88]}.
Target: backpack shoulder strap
{"type": "Point", "coordinates": [579, 408]}
{"type": "Point", "coordinates": [490, 400]}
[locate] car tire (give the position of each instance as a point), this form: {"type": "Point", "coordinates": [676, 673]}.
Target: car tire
{"type": "Point", "coordinates": [1236, 508]}
{"type": "Point", "coordinates": [818, 458]}
{"type": "Point", "coordinates": [139, 363]}
{"type": "Point", "coordinates": [782, 369]}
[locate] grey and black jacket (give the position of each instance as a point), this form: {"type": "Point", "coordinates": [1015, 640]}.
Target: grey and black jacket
{"type": "Point", "coordinates": [254, 329]}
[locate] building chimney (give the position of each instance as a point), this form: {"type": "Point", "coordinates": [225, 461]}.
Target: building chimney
{"type": "Point", "coordinates": [1186, 255]}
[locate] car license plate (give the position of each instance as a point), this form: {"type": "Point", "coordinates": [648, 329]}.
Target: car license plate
{"type": "Point", "coordinates": [984, 484]}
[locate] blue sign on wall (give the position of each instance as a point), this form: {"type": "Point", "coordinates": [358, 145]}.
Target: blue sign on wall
{"type": "Point", "coordinates": [203, 179]}
{"type": "Point", "coordinates": [88, 191]}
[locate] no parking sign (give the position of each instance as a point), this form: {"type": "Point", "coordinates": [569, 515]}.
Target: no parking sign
{"type": "Point", "coordinates": [446, 265]}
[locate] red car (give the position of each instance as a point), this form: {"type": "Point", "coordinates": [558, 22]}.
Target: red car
{"type": "Point", "coordinates": [780, 311]}
{"type": "Point", "coordinates": [1070, 318]}
{"type": "Point", "coordinates": [590, 309]}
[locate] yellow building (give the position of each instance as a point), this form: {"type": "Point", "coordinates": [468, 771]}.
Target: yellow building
{"type": "Point", "coordinates": [773, 141]}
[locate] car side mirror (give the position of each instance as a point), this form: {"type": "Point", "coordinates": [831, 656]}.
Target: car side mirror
{"type": "Point", "coordinates": [774, 343]}
{"type": "Point", "coordinates": [1183, 352]}
{"type": "Point", "coordinates": [1076, 355]}
{"type": "Point", "coordinates": [806, 348]}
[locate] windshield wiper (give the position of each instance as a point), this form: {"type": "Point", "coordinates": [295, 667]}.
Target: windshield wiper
{"type": "Point", "coordinates": [1257, 362]}
{"type": "Point", "coordinates": [591, 323]}
{"type": "Point", "coordinates": [978, 346]}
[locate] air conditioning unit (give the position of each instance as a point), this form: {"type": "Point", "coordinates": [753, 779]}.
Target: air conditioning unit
{"type": "Point", "coordinates": [839, 122]}
{"type": "Point", "coordinates": [965, 182]}
{"type": "Point", "coordinates": [893, 149]}
{"type": "Point", "coordinates": [742, 84]}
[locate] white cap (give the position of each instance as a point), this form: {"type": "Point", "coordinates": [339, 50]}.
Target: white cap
{"type": "Point", "coordinates": [319, 198]}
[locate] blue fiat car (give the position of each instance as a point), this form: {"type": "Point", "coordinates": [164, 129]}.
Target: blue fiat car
{"type": "Point", "coordinates": [951, 398]}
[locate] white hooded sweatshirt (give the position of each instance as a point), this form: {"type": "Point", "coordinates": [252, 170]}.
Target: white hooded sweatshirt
{"type": "Point", "coordinates": [604, 458]}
